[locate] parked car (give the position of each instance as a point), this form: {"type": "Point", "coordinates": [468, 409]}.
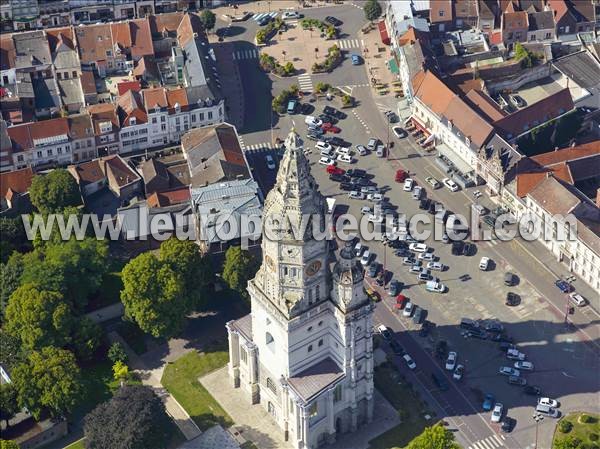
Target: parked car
{"type": "Point", "coordinates": [356, 173]}
{"type": "Point", "coordinates": [408, 185]}
{"type": "Point", "coordinates": [509, 371]}
{"type": "Point", "coordinates": [458, 372]}
{"type": "Point", "coordinates": [361, 150]}
{"type": "Point", "coordinates": [451, 185]}
{"type": "Point", "coordinates": [418, 247]}
{"type": "Point", "coordinates": [497, 412]}
{"type": "Point", "coordinates": [356, 60]}
{"type": "Point", "coordinates": [532, 390]}
{"type": "Point", "coordinates": [401, 175]}
{"type": "Point", "coordinates": [333, 21]}
{"type": "Point", "coordinates": [357, 195]}
{"type": "Point", "coordinates": [548, 402]}
{"type": "Point", "coordinates": [366, 258]}
{"type": "Point", "coordinates": [509, 279]}
{"type": "Point", "coordinates": [409, 361]}
{"type": "Point", "coordinates": [418, 315]}
{"type": "Point", "coordinates": [326, 161]}
{"type": "Point", "coordinates": [484, 263]}
{"type": "Point", "coordinates": [508, 424]}
{"type": "Point", "coordinates": [512, 299]}
{"type": "Point", "coordinates": [270, 162]}
{"type": "Point", "coordinates": [426, 256]}
{"type": "Point", "coordinates": [384, 332]}
{"type": "Point", "coordinates": [517, 380]}
{"type": "Point", "coordinates": [524, 365]}
{"type": "Point", "coordinates": [563, 286]}
{"type": "Point", "coordinates": [323, 146]}
{"type": "Point", "coordinates": [548, 411]}
{"type": "Point", "coordinates": [435, 266]}
{"type": "Point", "coordinates": [380, 151]}
{"type": "Point", "coordinates": [373, 270]}
{"type": "Point", "coordinates": [577, 299]}
{"type": "Point", "coordinates": [401, 301]}
{"type": "Point", "coordinates": [408, 309]}
{"type": "Point", "coordinates": [433, 182]}
{"type": "Point", "coordinates": [346, 158]}
{"type": "Point", "coordinates": [451, 360]}
{"type": "Point", "coordinates": [395, 287]}
{"type": "Point", "coordinates": [514, 354]}
{"type": "Point", "coordinates": [372, 144]}
{"type": "Point", "coordinates": [435, 286]}
{"type": "Point", "coordinates": [312, 121]}
{"type": "Point", "coordinates": [457, 247]}
{"type": "Point", "coordinates": [330, 128]}
{"type": "Point", "coordinates": [468, 249]}
{"type": "Point", "coordinates": [399, 132]}
{"type": "Point", "coordinates": [488, 402]}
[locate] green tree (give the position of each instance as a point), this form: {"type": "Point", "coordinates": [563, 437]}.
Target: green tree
{"type": "Point", "coordinates": [569, 442]}
{"type": "Point", "coordinates": [11, 351]}
{"type": "Point", "coordinates": [154, 296]}
{"type": "Point", "coordinates": [289, 69]}
{"type": "Point", "coordinates": [38, 317]}
{"type": "Point", "coordinates": [239, 267]}
{"type": "Point", "coordinates": [53, 192]}
{"type": "Point", "coordinates": [435, 437]}
{"type": "Point", "coordinates": [14, 237]}
{"type": "Point", "coordinates": [185, 259]}
{"type": "Point", "coordinates": [372, 10]}
{"type": "Point", "coordinates": [85, 339]}
{"type": "Point", "coordinates": [10, 278]}
{"type": "Point", "coordinates": [48, 380]}
{"type": "Point", "coordinates": [208, 19]}
{"type": "Point", "coordinates": [120, 371]}
{"type": "Point", "coordinates": [9, 406]}
{"type": "Point", "coordinates": [117, 353]}
{"type": "Point", "coordinates": [133, 418]}
{"type": "Point", "coordinates": [8, 444]}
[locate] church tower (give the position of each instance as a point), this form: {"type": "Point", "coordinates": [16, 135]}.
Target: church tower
{"type": "Point", "coordinates": [305, 351]}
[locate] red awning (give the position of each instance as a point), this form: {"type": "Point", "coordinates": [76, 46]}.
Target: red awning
{"type": "Point", "coordinates": [420, 127]}
{"type": "Point", "coordinates": [385, 38]}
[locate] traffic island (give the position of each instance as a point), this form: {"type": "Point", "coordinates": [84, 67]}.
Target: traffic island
{"type": "Point", "coordinates": [577, 431]}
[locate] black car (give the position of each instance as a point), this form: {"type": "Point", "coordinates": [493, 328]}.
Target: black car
{"type": "Point", "coordinates": [306, 108]}
{"type": "Point", "coordinates": [532, 390]}
{"type": "Point", "coordinates": [396, 347]}
{"type": "Point", "coordinates": [424, 204]}
{"type": "Point", "coordinates": [313, 136]}
{"type": "Point", "coordinates": [395, 287]}
{"type": "Point", "coordinates": [347, 186]}
{"type": "Point", "coordinates": [339, 178]}
{"type": "Point", "coordinates": [457, 247]}
{"type": "Point", "coordinates": [505, 346]}
{"type": "Point", "coordinates": [440, 381]}
{"type": "Point", "coordinates": [425, 327]}
{"type": "Point", "coordinates": [477, 333]}
{"type": "Point", "coordinates": [328, 119]}
{"type": "Point", "coordinates": [419, 315]}
{"type": "Point", "coordinates": [332, 20]}
{"type": "Point", "coordinates": [512, 299]}
{"type": "Point", "coordinates": [508, 424]}
{"type": "Point", "coordinates": [364, 182]}
{"type": "Point", "coordinates": [333, 112]}
{"type": "Point", "coordinates": [468, 249]}
{"type": "Point", "coordinates": [356, 173]}
{"type": "Point", "coordinates": [402, 252]}
{"type": "Point", "coordinates": [337, 141]}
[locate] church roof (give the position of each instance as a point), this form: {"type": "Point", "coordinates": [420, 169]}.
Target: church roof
{"type": "Point", "coordinates": [314, 380]}
{"type": "Point", "coordinates": [244, 326]}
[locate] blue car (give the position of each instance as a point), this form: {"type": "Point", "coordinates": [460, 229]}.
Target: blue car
{"type": "Point", "coordinates": [563, 286]}
{"type": "Point", "coordinates": [355, 59]}
{"type": "Point", "coordinates": [488, 402]}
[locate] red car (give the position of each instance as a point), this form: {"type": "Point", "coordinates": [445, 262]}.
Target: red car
{"type": "Point", "coordinates": [401, 301]}
{"type": "Point", "coordinates": [333, 170]}
{"type": "Point", "coordinates": [329, 128]}
{"type": "Point", "coordinates": [401, 175]}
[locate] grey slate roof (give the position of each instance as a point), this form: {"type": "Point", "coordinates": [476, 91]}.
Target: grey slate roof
{"type": "Point", "coordinates": [32, 50]}
{"type": "Point", "coordinates": [200, 70]}
{"type": "Point", "coordinates": [312, 381]}
{"type": "Point", "coordinates": [581, 67]}
{"type": "Point", "coordinates": [70, 91]}
{"type": "Point", "coordinates": [244, 326]}
{"type": "Point", "coordinates": [46, 93]}
{"type": "Point", "coordinates": [541, 21]}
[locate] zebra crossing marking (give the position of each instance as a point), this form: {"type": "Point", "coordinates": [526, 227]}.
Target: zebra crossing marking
{"type": "Point", "coordinates": [348, 43]}
{"type": "Point", "coordinates": [491, 442]}
{"type": "Point", "coordinates": [305, 83]}
{"type": "Point", "coordinates": [245, 54]}
{"type": "Point", "coordinates": [257, 17]}
{"type": "Point", "coordinates": [264, 146]}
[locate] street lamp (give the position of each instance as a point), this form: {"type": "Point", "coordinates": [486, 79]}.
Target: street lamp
{"type": "Point", "coordinates": [537, 417]}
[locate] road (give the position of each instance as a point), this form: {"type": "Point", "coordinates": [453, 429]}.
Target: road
{"type": "Point", "coordinates": [565, 356]}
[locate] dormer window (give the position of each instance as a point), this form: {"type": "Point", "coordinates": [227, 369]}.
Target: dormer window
{"type": "Point", "coordinates": [468, 141]}
{"type": "Point", "coordinates": [133, 121]}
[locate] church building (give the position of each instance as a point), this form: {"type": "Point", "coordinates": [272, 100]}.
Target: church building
{"type": "Point", "coordinates": [305, 352]}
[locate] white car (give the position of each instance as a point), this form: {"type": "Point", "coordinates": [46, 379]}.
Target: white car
{"type": "Point", "coordinates": [484, 263]}
{"type": "Point", "coordinates": [408, 309]}
{"type": "Point", "coordinates": [409, 361]}
{"type": "Point", "coordinates": [451, 185]}
{"type": "Point", "coordinates": [497, 412]}
{"type": "Point", "coordinates": [375, 197]}
{"type": "Point", "coordinates": [435, 266]}
{"type": "Point", "coordinates": [345, 158]}
{"type": "Point", "coordinates": [408, 185]}
{"type": "Point", "coordinates": [324, 146]}
{"type": "Point", "coordinates": [399, 132]}
{"type": "Point", "coordinates": [514, 354]}
{"type": "Point", "coordinates": [524, 365]}
{"type": "Point", "coordinates": [362, 151]}
{"type": "Point", "coordinates": [458, 372]}
{"type": "Point", "coordinates": [313, 121]}
{"type": "Point", "coordinates": [547, 401]}
{"type": "Point", "coordinates": [290, 15]}
{"type": "Point", "coordinates": [366, 258]}
{"type": "Point", "coordinates": [577, 299]}
{"type": "Point", "coordinates": [418, 247]}
{"type": "Point", "coordinates": [451, 361]}
{"type": "Point", "coordinates": [433, 182]}
{"type": "Point", "coordinates": [426, 256]}
{"type": "Point", "coordinates": [270, 162]}
{"type": "Point", "coordinates": [358, 249]}
{"type": "Point", "coordinates": [375, 218]}
{"type": "Point", "coordinates": [356, 195]}
{"type": "Point", "coordinates": [509, 371]}
{"type": "Point", "coordinates": [366, 210]}
{"type": "Point", "coordinates": [342, 150]}
{"type": "Point", "coordinates": [326, 161]}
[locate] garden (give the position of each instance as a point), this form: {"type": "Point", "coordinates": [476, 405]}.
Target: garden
{"type": "Point", "coordinates": [270, 64]}
{"type": "Point", "coordinates": [577, 431]}
{"type": "Point", "coordinates": [332, 60]}
{"type": "Point", "coordinates": [266, 33]}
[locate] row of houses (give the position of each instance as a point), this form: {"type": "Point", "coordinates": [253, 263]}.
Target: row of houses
{"type": "Point", "coordinates": [22, 15]}
{"type": "Point", "coordinates": [477, 141]}
{"type": "Point", "coordinates": [54, 113]}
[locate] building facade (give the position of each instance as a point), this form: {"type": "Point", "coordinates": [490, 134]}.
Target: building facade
{"type": "Point", "coordinates": [305, 353]}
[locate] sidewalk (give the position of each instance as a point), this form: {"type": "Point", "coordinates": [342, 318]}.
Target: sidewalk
{"type": "Point", "coordinates": [152, 378]}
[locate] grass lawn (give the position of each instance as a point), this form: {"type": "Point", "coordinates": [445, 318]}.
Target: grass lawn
{"type": "Point", "coordinates": [180, 378]}
{"type": "Point", "coordinates": [587, 433]}
{"type": "Point", "coordinates": [389, 383]}
{"type": "Point", "coordinates": [76, 445]}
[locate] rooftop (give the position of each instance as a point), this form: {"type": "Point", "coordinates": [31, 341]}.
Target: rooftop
{"type": "Point", "coordinates": [312, 381]}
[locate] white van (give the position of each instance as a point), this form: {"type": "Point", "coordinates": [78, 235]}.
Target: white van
{"type": "Point", "coordinates": [547, 410]}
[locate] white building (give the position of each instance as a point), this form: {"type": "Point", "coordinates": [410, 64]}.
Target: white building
{"type": "Point", "coordinates": [305, 353]}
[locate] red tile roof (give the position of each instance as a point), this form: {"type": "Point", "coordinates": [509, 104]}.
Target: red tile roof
{"type": "Point", "coordinates": [169, 197]}
{"type": "Point", "coordinates": [7, 53]}
{"type": "Point", "coordinates": [434, 93]}
{"type": "Point", "coordinates": [124, 86]}
{"type": "Point", "coordinates": [568, 154]}
{"type": "Point", "coordinates": [168, 22]}
{"type": "Point", "coordinates": [559, 7]}
{"type": "Point", "coordinates": [17, 181]}
{"type": "Point", "coordinates": [60, 36]}
{"type": "Point", "coordinates": [121, 35]}
{"type": "Point", "coordinates": [130, 105]}
{"type": "Point", "coordinates": [440, 11]}
{"type": "Point", "coordinates": [485, 105]}
{"type": "Point", "coordinates": [141, 38]}
{"type": "Point", "coordinates": [469, 123]}
{"type": "Point", "coordinates": [155, 97]}
{"type": "Point", "coordinates": [93, 42]}
{"type": "Point", "coordinates": [177, 96]}
{"type": "Point", "coordinates": [465, 8]}
{"type": "Point", "coordinates": [104, 112]}
{"type": "Point", "coordinates": [189, 25]}
{"type": "Point", "coordinates": [88, 83]}
{"type": "Point", "coordinates": [515, 21]}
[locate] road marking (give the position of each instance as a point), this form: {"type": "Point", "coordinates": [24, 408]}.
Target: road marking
{"type": "Point", "coordinates": [362, 122]}
{"type": "Point", "coordinates": [245, 54]}
{"type": "Point", "coordinates": [346, 44]}
{"type": "Point", "coordinates": [258, 147]}
{"type": "Point", "coordinates": [491, 442]}
{"type": "Point", "coordinates": [346, 89]}
{"type": "Point", "coordinates": [241, 140]}
{"type": "Point", "coordinates": [305, 83]}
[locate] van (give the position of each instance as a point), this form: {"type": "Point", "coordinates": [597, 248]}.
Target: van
{"type": "Point", "coordinates": [508, 279]}
{"type": "Point", "coordinates": [547, 410]}
{"type": "Point", "coordinates": [372, 144]}
{"type": "Point", "coordinates": [417, 192]}
{"type": "Point", "coordinates": [469, 324]}
{"type": "Point", "coordinates": [292, 106]}
{"type": "Point", "coordinates": [380, 151]}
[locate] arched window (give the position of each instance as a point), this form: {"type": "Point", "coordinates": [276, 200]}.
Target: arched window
{"type": "Point", "coordinates": [318, 292]}
{"type": "Point", "coordinates": [269, 338]}
{"type": "Point", "coordinates": [271, 385]}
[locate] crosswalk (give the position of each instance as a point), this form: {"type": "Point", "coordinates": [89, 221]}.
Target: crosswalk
{"type": "Point", "coordinates": [258, 147]}
{"type": "Point", "coordinates": [491, 442]}
{"type": "Point", "coordinates": [345, 44]}
{"type": "Point", "coordinates": [245, 54]}
{"type": "Point", "coordinates": [305, 83]}
{"type": "Point", "coordinates": [257, 17]}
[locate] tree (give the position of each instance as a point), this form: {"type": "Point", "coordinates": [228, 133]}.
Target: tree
{"type": "Point", "coordinates": [208, 19]}
{"type": "Point", "coordinates": [120, 371]}
{"type": "Point", "coordinates": [569, 442]}
{"type": "Point", "coordinates": [85, 338]}
{"type": "Point", "coordinates": [372, 10]}
{"type": "Point", "coordinates": [11, 351]}
{"type": "Point", "coordinates": [9, 406]}
{"type": "Point", "coordinates": [8, 444]}
{"type": "Point", "coordinates": [116, 353]}
{"type": "Point", "coordinates": [185, 259]}
{"type": "Point", "coordinates": [10, 278]}
{"type": "Point", "coordinates": [134, 418]}
{"type": "Point", "coordinates": [435, 437]}
{"type": "Point", "coordinates": [13, 237]}
{"type": "Point", "coordinates": [154, 296]}
{"type": "Point", "coordinates": [49, 379]}
{"type": "Point", "coordinates": [239, 267]}
{"type": "Point", "coordinates": [53, 192]}
{"type": "Point", "coordinates": [38, 317]}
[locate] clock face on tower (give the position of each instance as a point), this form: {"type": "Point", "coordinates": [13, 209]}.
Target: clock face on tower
{"type": "Point", "coordinates": [313, 268]}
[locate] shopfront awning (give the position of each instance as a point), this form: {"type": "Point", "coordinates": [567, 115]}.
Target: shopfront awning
{"type": "Point", "coordinates": [460, 164]}
{"type": "Point", "coordinates": [408, 120]}
{"type": "Point", "coordinates": [420, 127]}
{"type": "Point", "coordinates": [393, 65]}
{"type": "Point", "coordinates": [385, 37]}
{"type": "Point", "coordinates": [429, 139]}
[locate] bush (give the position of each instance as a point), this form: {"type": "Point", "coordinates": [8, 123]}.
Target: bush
{"type": "Point", "coordinates": [333, 59]}
{"type": "Point", "coordinates": [265, 33]}
{"type": "Point", "coordinates": [593, 436]}
{"type": "Point", "coordinates": [347, 100]}
{"type": "Point", "coordinates": [289, 69]}
{"type": "Point", "coordinates": [587, 419]}
{"type": "Point", "coordinates": [565, 426]}
{"type": "Point", "coordinates": [322, 87]}
{"type": "Point", "coordinates": [279, 103]}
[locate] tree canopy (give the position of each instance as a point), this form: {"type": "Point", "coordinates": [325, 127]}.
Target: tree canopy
{"type": "Point", "coordinates": [9, 406]}
{"type": "Point", "coordinates": [434, 437]}
{"type": "Point", "coordinates": [53, 192]}
{"type": "Point", "coordinates": [8, 444]}
{"type": "Point", "coordinates": [185, 259]}
{"type": "Point", "coordinates": [134, 418]}
{"type": "Point", "coordinates": [38, 317]}
{"type": "Point", "coordinates": [48, 380]}
{"type": "Point", "coordinates": [238, 268]}
{"type": "Point", "coordinates": [208, 19]}
{"type": "Point", "coordinates": [10, 278]}
{"type": "Point", "coordinates": [116, 353]}
{"type": "Point", "coordinates": [154, 296]}
{"type": "Point", "coordinates": [372, 10]}
{"type": "Point", "coordinates": [14, 237]}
